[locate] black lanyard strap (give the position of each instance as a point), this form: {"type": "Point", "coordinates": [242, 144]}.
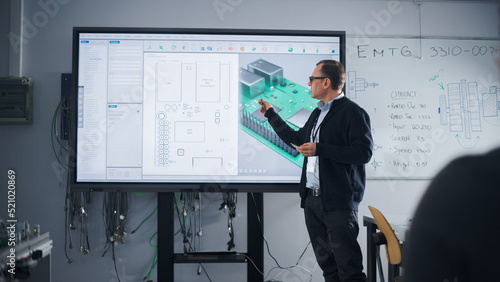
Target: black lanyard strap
{"type": "Point", "coordinates": [314, 129]}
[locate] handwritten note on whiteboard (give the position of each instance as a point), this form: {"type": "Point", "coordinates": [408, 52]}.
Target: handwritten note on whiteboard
{"type": "Point", "coordinates": [429, 100]}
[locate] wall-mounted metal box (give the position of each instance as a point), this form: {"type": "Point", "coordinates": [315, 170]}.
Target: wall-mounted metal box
{"type": "Point", "coordinates": [16, 100]}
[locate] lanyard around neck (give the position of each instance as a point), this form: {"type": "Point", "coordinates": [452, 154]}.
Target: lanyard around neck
{"type": "Point", "coordinates": [316, 130]}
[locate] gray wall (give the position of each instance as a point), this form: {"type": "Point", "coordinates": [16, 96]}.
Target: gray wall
{"type": "Point", "coordinates": [47, 54]}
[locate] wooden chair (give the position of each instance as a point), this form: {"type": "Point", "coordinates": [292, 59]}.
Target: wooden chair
{"type": "Point", "coordinates": [391, 242]}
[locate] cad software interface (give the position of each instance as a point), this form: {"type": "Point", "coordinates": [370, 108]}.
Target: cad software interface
{"type": "Point", "coordinates": [183, 107]}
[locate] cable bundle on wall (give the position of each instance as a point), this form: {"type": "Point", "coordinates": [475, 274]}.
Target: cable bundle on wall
{"type": "Point", "coordinates": [190, 221]}
{"type": "Point", "coordinates": [229, 204]}
{"type": "Point", "coordinates": [76, 204]}
{"type": "Point", "coordinates": [114, 215]}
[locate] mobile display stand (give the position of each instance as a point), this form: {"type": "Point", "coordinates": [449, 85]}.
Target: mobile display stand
{"type": "Point", "coordinates": [255, 244]}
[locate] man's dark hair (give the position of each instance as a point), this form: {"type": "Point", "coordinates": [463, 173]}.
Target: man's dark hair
{"type": "Point", "coordinates": [334, 70]}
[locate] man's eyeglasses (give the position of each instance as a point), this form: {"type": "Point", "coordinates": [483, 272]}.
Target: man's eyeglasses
{"type": "Point", "coordinates": [311, 78]}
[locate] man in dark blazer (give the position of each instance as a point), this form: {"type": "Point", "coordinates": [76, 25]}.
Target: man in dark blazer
{"type": "Point", "coordinates": [337, 143]}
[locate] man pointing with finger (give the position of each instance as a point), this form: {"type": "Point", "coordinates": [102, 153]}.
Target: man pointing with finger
{"type": "Point", "coordinates": [337, 143]}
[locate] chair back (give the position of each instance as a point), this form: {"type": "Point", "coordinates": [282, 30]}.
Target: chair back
{"type": "Point", "coordinates": [393, 248]}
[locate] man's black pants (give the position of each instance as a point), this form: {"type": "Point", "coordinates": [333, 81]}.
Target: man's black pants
{"type": "Point", "coordinates": [334, 239]}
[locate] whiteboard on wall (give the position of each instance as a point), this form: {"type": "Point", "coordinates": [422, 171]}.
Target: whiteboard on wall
{"type": "Point", "coordinates": [429, 100]}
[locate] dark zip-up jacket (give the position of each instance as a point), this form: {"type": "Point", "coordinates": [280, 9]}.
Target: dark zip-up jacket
{"type": "Point", "coordinates": [345, 146]}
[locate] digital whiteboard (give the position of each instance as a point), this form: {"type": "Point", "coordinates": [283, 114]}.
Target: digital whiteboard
{"type": "Point", "coordinates": [177, 109]}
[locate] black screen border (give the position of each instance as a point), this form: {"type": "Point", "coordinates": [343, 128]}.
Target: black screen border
{"type": "Point", "coordinates": [177, 186]}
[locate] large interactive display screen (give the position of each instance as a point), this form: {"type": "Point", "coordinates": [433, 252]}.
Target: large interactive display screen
{"type": "Point", "coordinates": [163, 109]}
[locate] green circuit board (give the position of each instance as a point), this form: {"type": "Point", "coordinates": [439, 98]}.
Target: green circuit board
{"type": "Point", "coordinates": [292, 102]}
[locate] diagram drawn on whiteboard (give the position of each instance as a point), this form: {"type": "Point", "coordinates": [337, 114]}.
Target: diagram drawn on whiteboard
{"type": "Point", "coordinates": [461, 108]}
{"type": "Point", "coordinates": [354, 84]}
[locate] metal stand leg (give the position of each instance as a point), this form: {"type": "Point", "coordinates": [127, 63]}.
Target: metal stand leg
{"type": "Point", "coordinates": [371, 252]}
{"type": "Point", "coordinates": [165, 237]}
{"type": "Point", "coordinates": [255, 241]}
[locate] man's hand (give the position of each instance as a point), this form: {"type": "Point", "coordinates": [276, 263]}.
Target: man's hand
{"type": "Point", "coordinates": [264, 106]}
{"type": "Point", "coordinates": [307, 149]}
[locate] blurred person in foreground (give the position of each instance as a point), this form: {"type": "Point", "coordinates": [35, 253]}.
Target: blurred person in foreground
{"type": "Point", "coordinates": [455, 231]}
